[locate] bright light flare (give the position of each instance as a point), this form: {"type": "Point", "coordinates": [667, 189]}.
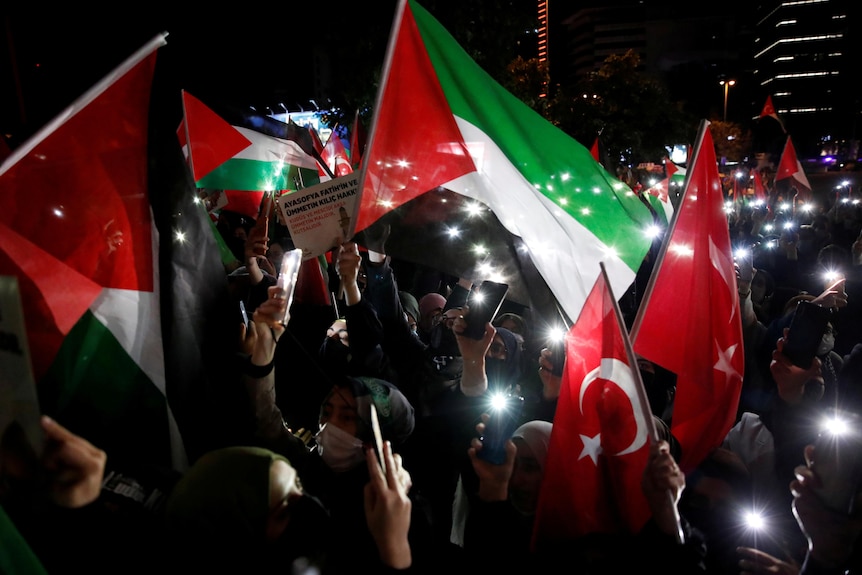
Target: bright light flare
{"type": "Point", "coordinates": [474, 209]}
{"type": "Point", "coordinates": [556, 333]}
{"type": "Point", "coordinates": [652, 231]}
{"type": "Point", "coordinates": [835, 425]}
{"type": "Point", "coordinates": [754, 520]}
{"type": "Point", "coordinates": [179, 236]}
{"type": "Point", "coordinates": [498, 402]}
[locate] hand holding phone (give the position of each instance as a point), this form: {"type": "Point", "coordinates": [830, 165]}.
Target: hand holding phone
{"type": "Point", "coordinates": [378, 438]}
{"type": "Point", "coordinates": [243, 314]}
{"type": "Point", "coordinates": [483, 302]}
{"type": "Point", "coordinates": [502, 422]}
{"type": "Point", "coordinates": [287, 277]}
{"type": "Point", "coordinates": [838, 462]}
{"type": "Point", "coordinates": [806, 332]}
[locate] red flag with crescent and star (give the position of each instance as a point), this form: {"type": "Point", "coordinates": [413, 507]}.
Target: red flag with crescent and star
{"type": "Point", "coordinates": [599, 445]}
{"type": "Point", "coordinates": [689, 320]}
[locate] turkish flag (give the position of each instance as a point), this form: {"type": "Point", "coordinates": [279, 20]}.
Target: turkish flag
{"type": "Point", "coordinates": [689, 321]}
{"type": "Point", "coordinates": [790, 167]}
{"type": "Point", "coordinates": [599, 445]}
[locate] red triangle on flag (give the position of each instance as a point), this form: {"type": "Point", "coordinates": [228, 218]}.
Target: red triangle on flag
{"type": "Point", "coordinates": [412, 96]}
{"type": "Point", "coordinates": [212, 141]}
{"type": "Point", "coordinates": [670, 168]}
{"type": "Point", "coordinates": [594, 150]}
{"type": "Point", "coordinates": [61, 291]}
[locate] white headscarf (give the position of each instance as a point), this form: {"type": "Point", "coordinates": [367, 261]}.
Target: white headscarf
{"type": "Point", "coordinates": [536, 434]}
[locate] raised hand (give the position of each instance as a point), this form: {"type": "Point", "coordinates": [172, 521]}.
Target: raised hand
{"type": "Point", "coordinates": [75, 467]}
{"type": "Point", "coordinates": [388, 508]}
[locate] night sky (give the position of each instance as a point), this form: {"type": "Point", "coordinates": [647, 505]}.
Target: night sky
{"type": "Point", "coordinates": [241, 58]}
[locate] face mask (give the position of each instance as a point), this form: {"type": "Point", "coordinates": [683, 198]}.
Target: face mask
{"type": "Point", "coordinates": [826, 344]}
{"type": "Point", "coordinates": [339, 450]}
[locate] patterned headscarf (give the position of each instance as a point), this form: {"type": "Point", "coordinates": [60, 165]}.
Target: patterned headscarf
{"type": "Point", "coordinates": [394, 411]}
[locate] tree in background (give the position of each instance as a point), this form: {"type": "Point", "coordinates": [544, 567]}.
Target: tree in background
{"type": "Point", "coordinates": [632, 110]}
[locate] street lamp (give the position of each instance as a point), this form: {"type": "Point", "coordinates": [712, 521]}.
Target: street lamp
{"type": "Point", "coordinates": [727, 84]}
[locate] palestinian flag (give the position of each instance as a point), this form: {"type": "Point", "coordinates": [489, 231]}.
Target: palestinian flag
{"type": "Point", "coordinates": [660, 195]}
{"type": "Point", "coordinates": [96, 263]}
{"type": "Point", "coordinates": [469, 137]}
{"type": "Point", "coordinates": [242, 150]}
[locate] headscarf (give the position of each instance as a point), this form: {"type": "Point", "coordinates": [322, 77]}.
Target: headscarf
{"type": "Point", "coordinates": [223, 497]}
{"type": "Point", "coordinates": [537, 435]}
{"type": "Point", "coordinates": [394, 411]}
{"type": "Point", "coordinates": [409, 304]}
{"type": "Point", "coordinates": [505, 373]}
{"type": "Point", "coordinates": [428, 303]}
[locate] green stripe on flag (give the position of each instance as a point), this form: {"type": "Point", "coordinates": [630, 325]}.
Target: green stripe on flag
{"type": "Point", "coordinates": [96, 390]}
{"type": "Point", "coordinates": [255, 175]}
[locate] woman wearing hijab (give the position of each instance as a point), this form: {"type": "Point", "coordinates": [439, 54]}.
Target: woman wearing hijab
{"type": "Point", "coordinates": [499, 525]}
{"type": "Point", "coordinates": [335, 470]}
{"type": "Point", "coordinates": [504, 511]}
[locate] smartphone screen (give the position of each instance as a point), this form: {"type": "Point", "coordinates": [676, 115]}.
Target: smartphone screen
{"type": "Point", "coordinates": [287, 277]}
{"type": "Point", "coordinates": [502, 422]}
{"type": "Point", "coordinates": [484, 303]}
{"type": "Point", "coordinates": [806, 332]}
{"type": "Point", "coordinates": [243, 314]}
{"type": "Point", "coordinates": [838, 461]}
{"type": "Point", "coordinates": [557, 345]}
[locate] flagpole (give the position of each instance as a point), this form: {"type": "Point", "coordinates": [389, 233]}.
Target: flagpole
{"type": "Point", "coordinates": [704, 125]}
{"type": "Point", "coordinates": [378, 101]}
{"type": "Point", "coordinates": [157, 42]}
{"type": "Point", "coordinates": [641, 391]}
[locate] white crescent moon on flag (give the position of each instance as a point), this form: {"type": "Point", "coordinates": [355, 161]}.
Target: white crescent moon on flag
{"type": "Point", "coordinates": [609, 369]}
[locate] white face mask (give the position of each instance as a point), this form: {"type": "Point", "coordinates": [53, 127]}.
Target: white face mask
{"type": "Point", "coordinates": [826, 344]}
{"type": "Point", "coordinates": [339, 450]}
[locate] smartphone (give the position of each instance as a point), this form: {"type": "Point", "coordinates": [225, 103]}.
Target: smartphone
{"type": "Point", "coordinates": [287, 277]}
{"type": "Point", "coordinates": [806, 332]}
{"type": "Point", "coordinates": [243, 314]}
{"type": "Point", "coordinates": [484, 303]}
{"type": "Point", "coordinates": [557, 346]}
{"type": "Point", "coordinates": [378, 438]}
{"type": "Point", "coordinates": [502, 423]}
{"type": "Point", "coordinates": [838, 462]}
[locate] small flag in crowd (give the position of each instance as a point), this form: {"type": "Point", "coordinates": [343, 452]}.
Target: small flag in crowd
{"type": "Point", "coordinates": [790, 167]}
{"type": "Point", "coordinates": [769, 112]}
{"type": "Point", "coordinates": [242, 150]}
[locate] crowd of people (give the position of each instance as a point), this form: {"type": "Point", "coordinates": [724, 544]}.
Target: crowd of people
{"type": "Point", "coordinates": [309, 489]}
